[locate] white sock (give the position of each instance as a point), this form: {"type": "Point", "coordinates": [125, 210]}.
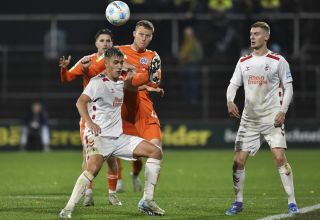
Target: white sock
{"type": "Point", "coordinates": [286, 176]}
{"type": "Point", "coordinates": [152, 170]}
{"type": "Point", "coordinates": [88, 191]}
{"type": "Point", "coordinates": [78, 190]}
{"type": "Point", "coordinates": [238, 184]}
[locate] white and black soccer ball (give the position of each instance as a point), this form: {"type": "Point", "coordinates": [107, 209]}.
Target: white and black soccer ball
{"type": "Point", "coordinates": [117, 13]}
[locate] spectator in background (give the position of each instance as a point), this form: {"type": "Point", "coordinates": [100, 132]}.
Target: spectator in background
{"type": "Point", "coordinates": [35, 127]}
{"type": "Point", "coordinates": [191, 53]}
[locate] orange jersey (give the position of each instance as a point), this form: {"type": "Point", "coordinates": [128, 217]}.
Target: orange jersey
{"type": "Point", "coordinates": [138, 105]}
{"type": "Point", "coordinates": [96, 67]}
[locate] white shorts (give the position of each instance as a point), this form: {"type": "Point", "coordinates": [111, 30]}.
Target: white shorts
{"type": "Point", "coordinates": [121, 147]}
{"type": "Point", "coordinates": [250, 137]}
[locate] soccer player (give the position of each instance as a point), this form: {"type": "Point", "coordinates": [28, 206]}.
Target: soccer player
{"type": "Point", "coordinates": [88, 67]}
{"type": "Point", "coordinates": [138, 111]}
{"type": "Point", "coordinates": [100, 106]}
{"type": "Point", "coordinates": [267, 82]}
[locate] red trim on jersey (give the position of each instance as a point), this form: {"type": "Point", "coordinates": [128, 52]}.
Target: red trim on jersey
{"type": "Point", "coordinates": [273, 57]}
{"type": "Point", "coordinates": [94, 108]}
{"type": "Point", "coordinates": [105, 79]}
{"type": "Point", "coordinates": [245, 58]}
{"type": "Point", "coordinates": [93, 117]}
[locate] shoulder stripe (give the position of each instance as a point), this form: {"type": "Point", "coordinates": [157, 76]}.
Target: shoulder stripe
{"type": "Point", "coordinates": [105, 79]}
{"type": "Point", "coordinates": [245, 58]}
{"type": "Point", "coordinates": [273, 57]}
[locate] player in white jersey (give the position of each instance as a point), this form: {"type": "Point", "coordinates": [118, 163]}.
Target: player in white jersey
{"type": "Point", "coordinates": [100, 106]}
{"type": "Point", "coordinates": [267, 82]}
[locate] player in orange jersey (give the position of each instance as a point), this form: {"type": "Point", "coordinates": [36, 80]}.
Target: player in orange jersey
{"type": "Point", "coordinates": [88, 67]}
{"type": "Point", "coordinates": [137, 110]}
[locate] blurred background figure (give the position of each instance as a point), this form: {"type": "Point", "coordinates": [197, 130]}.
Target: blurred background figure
{"type": "Point", "coordinates": [35, 129]}
{"type": "Point", "coordinates": [191, 54]}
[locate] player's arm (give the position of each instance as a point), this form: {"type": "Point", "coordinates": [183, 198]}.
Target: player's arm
{"type": "Point", "coordinates": [231, 94]}
{"type": "Point", "coordinates": [152, 89]}
{"type": "Point", "coordinates": [81, 104]}
{"type": "Point", "coordinates": [79, 69]}
{"type": "Point", "coordinates": [153, 74]}
{"type": "Point", "coordinates": [235, 82]}
{"type": "Point", "coordinates": [287, 97]}
{"type": "Point", "coordinates": [286, 81]}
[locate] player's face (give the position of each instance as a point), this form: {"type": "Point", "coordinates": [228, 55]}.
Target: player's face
{"type": "Point", "coordinates": [103, 42]}
{"type": "Point", "coordinates": [142, 37]}
{"type": "Point", "coordinates": [114, 67]}
{"type": "Point", "coordinates": [258, 38]}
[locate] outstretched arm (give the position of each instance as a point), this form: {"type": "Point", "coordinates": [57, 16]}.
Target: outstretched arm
{"type": "Point", "coordinates": [79, 69]}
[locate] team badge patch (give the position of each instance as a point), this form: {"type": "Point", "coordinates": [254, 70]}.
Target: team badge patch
{"type": "Point", "coordinates": [143, 60]}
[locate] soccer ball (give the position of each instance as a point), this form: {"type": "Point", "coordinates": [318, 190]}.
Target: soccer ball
{"type": "Point", "coordinates": [117, 13]}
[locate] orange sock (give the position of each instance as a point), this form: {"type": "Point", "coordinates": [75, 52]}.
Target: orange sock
{"type": "Point", "coordinates": [137, 166]}
{"type": "Point", "coordinates": [119, 169]}
{"type": "Point", "coordinates": [112, 181]}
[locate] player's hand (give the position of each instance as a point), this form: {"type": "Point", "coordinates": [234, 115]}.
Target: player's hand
{"type": "Point", "coordinates": [63, 62]}
{"type": "Point", "coordinates": [95, 129]}
{"type": "Point", "coordinates": [155, 64]}
{"type": "Point", "coordinates": [158, 90]}
{"type": "Point", "coordinates": [279, 119]}
{"type": "Point", "coordinates": [233, 110]}
{"type": "Point", "coordinates": [86, 62]}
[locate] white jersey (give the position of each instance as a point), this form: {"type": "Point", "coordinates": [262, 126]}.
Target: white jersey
{"type": "Point", "coordinates": [263, 78]}
{"type": "Point", "coordinates": [105, 106]}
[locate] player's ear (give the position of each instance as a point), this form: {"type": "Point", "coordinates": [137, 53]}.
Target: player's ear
{"type": "Point", "coordinates": [134, 33]}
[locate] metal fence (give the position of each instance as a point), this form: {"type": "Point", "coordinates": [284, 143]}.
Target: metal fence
{"type": "Point", "coordinates": [27, 75]}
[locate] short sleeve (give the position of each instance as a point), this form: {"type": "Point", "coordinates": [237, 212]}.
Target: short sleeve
{"type": "Point", "coordinates": [93, 89]}
{"type": "Point", "coordinates": [284, 71]}
{"type": "Point", "coordinates": [237, 76]}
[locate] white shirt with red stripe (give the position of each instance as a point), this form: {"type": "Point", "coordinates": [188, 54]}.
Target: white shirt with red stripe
{"type": "Point", "coordinates": [105, 106]}
{"type": "Point", "coordinates": [263, 78]}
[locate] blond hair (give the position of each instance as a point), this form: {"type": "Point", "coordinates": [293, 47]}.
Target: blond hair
{"type": "Point", "coordinates": [263, 25]}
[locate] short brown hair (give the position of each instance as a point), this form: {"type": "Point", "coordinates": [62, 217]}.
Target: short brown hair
{"type": "Point", "coordinates": [146, 24]}
{"type": "Point", "coordinates": [104, 31]}
{"type": "Point", "coordinates": [263, 25]}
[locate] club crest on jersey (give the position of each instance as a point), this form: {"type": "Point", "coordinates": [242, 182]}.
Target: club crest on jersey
{"type": "Point", "coordinates": [247, 68]}
{"type": "Point", "coordinates": [143, 60]}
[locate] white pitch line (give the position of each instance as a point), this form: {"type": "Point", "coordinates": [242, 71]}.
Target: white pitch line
{"type": "Point", "coordinates": [303, 210]}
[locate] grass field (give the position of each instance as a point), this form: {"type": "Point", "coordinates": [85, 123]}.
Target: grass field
{"type": "Point", "coordinates": [193, 185]}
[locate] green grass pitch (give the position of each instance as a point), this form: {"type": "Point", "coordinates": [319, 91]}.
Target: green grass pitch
{"type": "Point", "coordinates": [192, 185]}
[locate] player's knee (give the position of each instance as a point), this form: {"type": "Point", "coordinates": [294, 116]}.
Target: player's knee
{"type": "Point", "coordinates": [280, 160]}
{"type": "Point", "coordinates": [156, 153]}
{"type": "Point", "coordinates": [238, 163]}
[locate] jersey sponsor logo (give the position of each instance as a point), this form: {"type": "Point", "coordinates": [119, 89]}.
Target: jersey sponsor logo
{"type": "Point", "coordinates": [143, 60]}
{"type": "Point", "coordinates": [257, 80]}
{"type": "Point", "coordinates": [267, 67]}
{"type": "Point", "coordinates": [96, 99]}
{"type": "Point", "coordinates": [247, 68]}
{"type": "Point", "coordinates": [117, 102]}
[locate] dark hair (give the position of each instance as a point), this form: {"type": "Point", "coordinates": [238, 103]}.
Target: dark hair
{"type": "Point", "coordinates": [146, 24]}
{"type": "Point", "coordinates": [104, 31]}
{"type": "Point", "coordinates": [263, 25]}
{"type": "Point", "coordinates": [111, 52]}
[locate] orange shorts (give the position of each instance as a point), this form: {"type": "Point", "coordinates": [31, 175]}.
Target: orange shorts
{"type": "Point", "coordinates": [148, 128]}
{"type": "Point", "coordinates": [129, 128]}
